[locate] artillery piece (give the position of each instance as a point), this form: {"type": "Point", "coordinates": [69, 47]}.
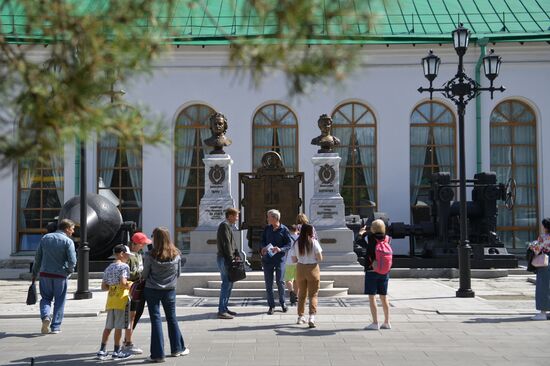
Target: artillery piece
{"type": "Point", "coordinates": [441, 232]}
{"type": "Point", "coordinates": [104, 224]}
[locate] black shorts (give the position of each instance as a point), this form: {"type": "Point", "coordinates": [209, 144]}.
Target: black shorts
{"type": "Point", "coordinates": [376, 283]}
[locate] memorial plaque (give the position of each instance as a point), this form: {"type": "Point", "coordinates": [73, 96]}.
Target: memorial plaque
{"type": "Point", "coordinates": [271, 187]}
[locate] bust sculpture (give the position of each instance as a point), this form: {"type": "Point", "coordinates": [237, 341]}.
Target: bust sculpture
{"type": "Point", "coordinates": [218, 127]}
{"type": "Point", "coordinates": [325, 140]}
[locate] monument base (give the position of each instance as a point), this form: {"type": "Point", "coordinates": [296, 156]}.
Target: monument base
{"type": "Point", "coordinates": [327, 212]}
{"type": "Point", "coordinates": [212, 212]}
{"type": "Point", "coordinates": [202, 256]}
{"type": "Point", "coordinates": [337, 244]}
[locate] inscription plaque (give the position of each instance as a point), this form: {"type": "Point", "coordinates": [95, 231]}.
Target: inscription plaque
{"type": "Point", "coordinates": [271, 187]}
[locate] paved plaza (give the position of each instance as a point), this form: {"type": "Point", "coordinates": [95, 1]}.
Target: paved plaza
{"type": "Point", "coordinates": [430, 327]}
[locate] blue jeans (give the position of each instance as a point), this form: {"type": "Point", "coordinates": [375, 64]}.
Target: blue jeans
{"type": "Point", "coordinates": [542, 289]}
{"type": "Point", "coordinates": [227, 285]}
{"type": "Point", "coordinates": [53, 289]}
{"type": "Point", "coordinates": [279, 269]}
{"type": "Point", "coordinates": [168, 299]}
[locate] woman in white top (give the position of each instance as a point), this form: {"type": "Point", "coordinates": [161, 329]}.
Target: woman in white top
{"type": "Point", "coordinates": [307, 253]}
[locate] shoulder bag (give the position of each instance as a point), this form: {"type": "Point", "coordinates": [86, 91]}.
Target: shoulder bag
{"type": "Point", "coordinates": [236, 270]}
{"type": "Point", "coordinates": [540, 260]}
{"type": "Point", "coordinates": [31, 294]}
{"type": "Point", "coordinates": [136, 290]}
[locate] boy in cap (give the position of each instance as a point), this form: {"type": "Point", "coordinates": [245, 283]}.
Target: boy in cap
{"type": "Point", "coordinates": [135, 262]}
{"type": "Point", "coordinates": [115, 279]}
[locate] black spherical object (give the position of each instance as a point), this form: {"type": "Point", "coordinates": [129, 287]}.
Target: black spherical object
{"type": "Point", "coordinates": [103, 223]}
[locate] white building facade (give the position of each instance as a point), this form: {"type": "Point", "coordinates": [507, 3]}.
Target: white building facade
{"type": "Point", "coordinates": [380, 96]}
{"type": "Point", "coordinates": [393, 138]}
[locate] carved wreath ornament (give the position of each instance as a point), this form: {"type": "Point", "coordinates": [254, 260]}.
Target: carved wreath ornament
{"type": "Point", "coordinates": [327, 174]}
{"type": "Point", "coordinates": [216, 174]}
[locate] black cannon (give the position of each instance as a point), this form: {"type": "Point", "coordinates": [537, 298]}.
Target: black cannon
{"type": "Point", "coordinates": [104, 224]}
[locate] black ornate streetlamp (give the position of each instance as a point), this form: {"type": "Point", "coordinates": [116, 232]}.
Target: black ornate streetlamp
{"type": "Point", "coordinates": [83, 290]}
{"type": "Point", "coordinates": [461, 89]}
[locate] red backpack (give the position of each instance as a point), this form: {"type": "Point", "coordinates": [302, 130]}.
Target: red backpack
{"type": "Point", "coordinates": [383, 255]}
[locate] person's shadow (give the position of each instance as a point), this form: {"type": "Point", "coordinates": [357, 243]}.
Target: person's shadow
{"type": "Point", "coordinates": [498, 320]}
{"type": "Point", "coordinates": [59, 360]}
{"type": "Point", "coordinates": [20, 335]}
{"type": "Point", "coordinates": [291, 330]}
{"type": "Point", "coordinates": [314, 332]}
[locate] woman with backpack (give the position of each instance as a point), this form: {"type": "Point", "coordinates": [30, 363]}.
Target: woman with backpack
{"type": "Point", "coordinates": [378, 261]}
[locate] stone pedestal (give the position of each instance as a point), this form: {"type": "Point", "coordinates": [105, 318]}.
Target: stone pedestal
{"type": "Point", "coordinates": [217, 198]}
{"type": "Point", "coordinates": [327, 211]}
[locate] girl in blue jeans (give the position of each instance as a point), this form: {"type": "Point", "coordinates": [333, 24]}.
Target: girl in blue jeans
{"type": "Point", "coordinates": [542, 291]}
{"type": "Point", "coordinates": [161, 269]}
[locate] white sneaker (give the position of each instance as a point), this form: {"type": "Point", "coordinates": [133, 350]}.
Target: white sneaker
{"type": "Point", "coordinates": [301, 320]}
{"type": "Point", "coordinates": [385, 326]}
{"type": "Point", "coordinates": [312, 321]}
{"type": "Point", "coordinates": [540, 316]}
{"type": "Point", "coordinates": [185, 352]}
{"type": "Point", "coordinates": [373, 326]}
{"type": "Point", "coordinates": [120, 355]}
{"type": "Point", "coordinates": [133, 349]}
{"type": "Point", "coordinates": [45, 326]}
{"type": "Point", "coordinates": [101, 355]}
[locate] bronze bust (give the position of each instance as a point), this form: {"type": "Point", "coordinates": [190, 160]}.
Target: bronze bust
{"type": "Point", "coordinates": [218, 127]}
{"type": "Point", "coordinates": [325, 139]}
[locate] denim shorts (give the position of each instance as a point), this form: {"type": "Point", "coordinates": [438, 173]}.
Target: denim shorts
{"type": "Point", "coordinates": [376, 283]}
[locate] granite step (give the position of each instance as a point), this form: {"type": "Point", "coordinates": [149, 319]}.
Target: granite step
{"type": "Point", "coordinates": [247, 292]}
{"type": "Point", "coordinates": [257, 284]}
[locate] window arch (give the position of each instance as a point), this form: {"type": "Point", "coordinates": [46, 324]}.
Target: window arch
{"type": "Point", "coordinates": [432, 148]}
{"type": "Point", "coordinates": [120, 170]}
{"type": "Point", "coordinates": [192, 127]}
{"type": "Point", "coordinates": [40, 195]}
{"type": "Point", "coordinates": [275, 128]}
{"type": "Point", "coordinates": [355, 125]}
{"type": "Point", "coordinates": [513, 135]}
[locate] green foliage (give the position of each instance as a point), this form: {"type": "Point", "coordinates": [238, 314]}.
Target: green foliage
{"type": "Point", "coordinates": [61, 60]}
{"type": "Point", "coordinates": [304, 40]}
{"type": "Point", "coordinates": [62, 87]}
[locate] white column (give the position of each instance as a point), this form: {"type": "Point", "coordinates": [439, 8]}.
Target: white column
{"type": "Point", "coordinates": [327, 211]}
{"type": "Point", "coordinates": [217, 198]}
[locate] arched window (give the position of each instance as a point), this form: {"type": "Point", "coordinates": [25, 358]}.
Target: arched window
{"type": "Point", "coordinates": [192, 127]}
{"type": "Point", "coordinates": [355, 125]}
{"type": "Point", "coordinates": [119, 170]}
{"type": "Point", "coordinates": [40, 190]}
{"type": "Point", "coordinates": [514, 155]}
{"type": "Point", "coordinates": [433, 136]}
{"type": "Point", "coordinates": [275, 128]}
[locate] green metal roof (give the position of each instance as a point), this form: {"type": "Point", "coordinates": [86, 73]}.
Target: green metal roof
{"type": "Point", "coordinates": [397, 21]}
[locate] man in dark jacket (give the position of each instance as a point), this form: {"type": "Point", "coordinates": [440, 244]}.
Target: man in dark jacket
{"type": "Point", "coordinates": [276, 242]}
{"type": "Point", "coordinates": [226, 248]}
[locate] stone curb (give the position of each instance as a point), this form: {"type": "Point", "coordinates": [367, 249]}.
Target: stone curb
{"type": "Point", "coordinates": [485, 312]}
{"type": "Point", "coordinates": [88, 314]}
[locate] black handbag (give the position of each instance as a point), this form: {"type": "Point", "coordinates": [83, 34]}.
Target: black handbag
{"type": "Point", "coordinates": [236, 270]}
{"type": "Point", "coordinates": [136, 290]}
{"type": "Point", "coordinates": [31, 294]}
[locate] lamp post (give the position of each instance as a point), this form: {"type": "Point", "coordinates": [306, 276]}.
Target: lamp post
{"type": "Point", "coordinates": [82, 291]}
{"type": "Point", "coordinates": [460, 90]}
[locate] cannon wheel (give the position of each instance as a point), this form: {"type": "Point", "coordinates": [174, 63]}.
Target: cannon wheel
{"type": "Point", "coordinates": [510, 199]}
